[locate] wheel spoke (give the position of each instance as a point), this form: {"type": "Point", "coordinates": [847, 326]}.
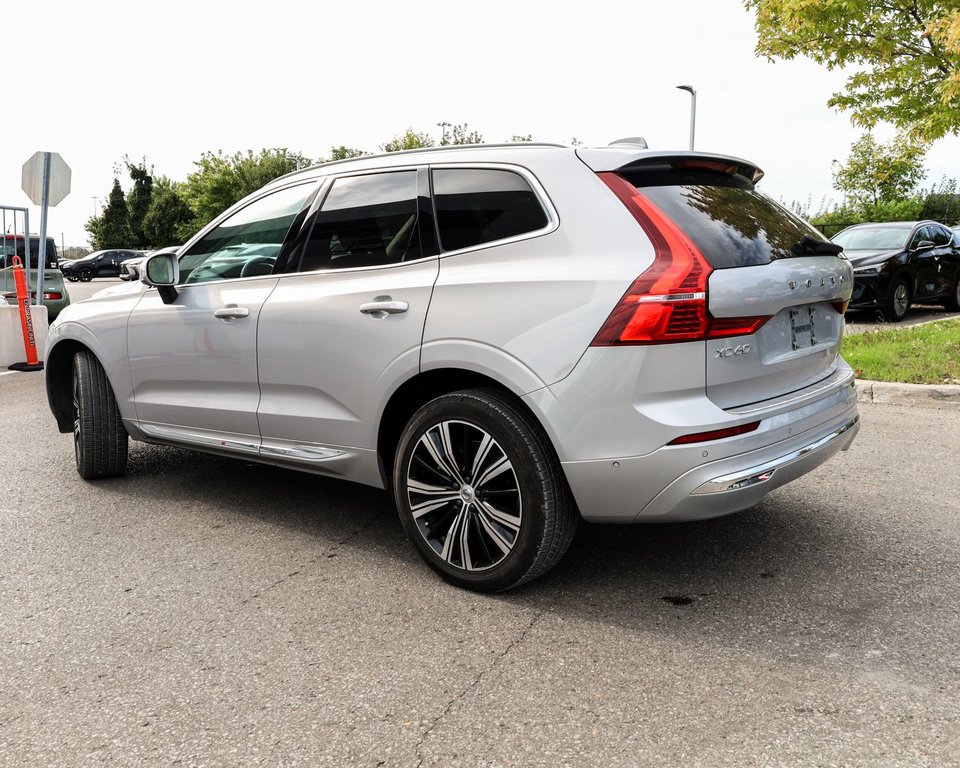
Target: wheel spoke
{"type": "Point", "coordinates": [440, 459]}
{"type": "Point", "coordinates": [505, 519]}
{"type": "Point", "coordinates": [431, 505]}
{"type": "Point", "coordinates": [483, 450]}
{"type": "Point", "coordinates": [495, 536]}
{"type": "Point", "coordinates": [453, 535]}
{"type": "Point", "coordinates": [497, 468]}
{"type": "Point", "coordinates": [447, 444]}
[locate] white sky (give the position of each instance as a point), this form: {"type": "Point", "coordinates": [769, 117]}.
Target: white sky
{"type": "Point", "coordinates": [169, 80]}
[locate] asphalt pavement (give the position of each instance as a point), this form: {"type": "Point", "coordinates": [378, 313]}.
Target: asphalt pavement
{"type": "Point", "coordinates": [209, 612]}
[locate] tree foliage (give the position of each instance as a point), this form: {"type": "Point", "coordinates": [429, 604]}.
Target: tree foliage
{"type": "Point", "coordinates": [905, 53]}
{"type": "Point", "coordinates": [460, 134]}
{"type": "Point", "coordinates": [112, 228]}
{"type": "Point", "coordinates": [169, 217]}
{"type": "Point", "coordinates": [875, 172]}
{"type": "Point", "coordinates": [344, 153]}
{"type": "Point", "coordinates": [221, 180]}
{"type": "Point", "coordinates": [138, 200]}
{"type": "Point", "coordinates": [410, 139]}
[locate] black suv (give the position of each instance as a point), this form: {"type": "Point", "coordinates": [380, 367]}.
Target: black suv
{"type": "Point", "coordinates": [97, 264]}
{"type": "Point", "coordinates": [900, 263]}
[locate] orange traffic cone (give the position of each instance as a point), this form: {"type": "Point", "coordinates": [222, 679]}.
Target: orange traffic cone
{"type": "Point", "coordinates": [26, 319]}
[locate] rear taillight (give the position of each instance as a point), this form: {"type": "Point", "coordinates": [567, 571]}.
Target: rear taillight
{"type": "Point", "coordinates": [53, 296]}
{"type": "Point", "coordinates": [668, 302]}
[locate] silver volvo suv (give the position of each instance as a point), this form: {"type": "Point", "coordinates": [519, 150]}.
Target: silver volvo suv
{"type": "Point", "coordinates": [508, 338]}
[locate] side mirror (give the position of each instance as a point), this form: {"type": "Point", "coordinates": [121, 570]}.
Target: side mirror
{"type": "Point", "coordinates": [162, 270]}
{"type": "Point", "coordinates": [924, 245]}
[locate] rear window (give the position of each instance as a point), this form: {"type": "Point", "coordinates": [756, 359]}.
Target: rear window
{"type": "Point", "coordinates": [732, 223]}
{"type": "Point", "coordinates": [13, 244]}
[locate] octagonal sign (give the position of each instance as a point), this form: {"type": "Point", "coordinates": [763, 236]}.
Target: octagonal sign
{"type": "Point", "coordinates": [32, 179]}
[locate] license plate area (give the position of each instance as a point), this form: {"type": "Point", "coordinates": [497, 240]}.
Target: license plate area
{"type": "Point", "coordinates": [803, 328]}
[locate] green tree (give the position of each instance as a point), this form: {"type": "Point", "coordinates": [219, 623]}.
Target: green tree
{"type": "Point", "coordinates": [221, 180]}
{"type": "Point", "coordinates": [877, 173]}
{"type": "Point", "coordinates": [521, 137]}
{"type": "Point", "coordinates": [905, 53]}
{"type": "Point", "coordinates": [408, 140]}
{"type": "Point", "coordinates": [113, 227]}
{"type": "Point", "coordinates": [169, 217]}
{"type": "Point", "coordinates": [139, 199]}
{"type": "Point", "coordinates": [343, 153]}
{"type": "Point", "coordinates": [459, 134]}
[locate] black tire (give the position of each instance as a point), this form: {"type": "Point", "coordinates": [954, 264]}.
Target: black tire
{"type": "Point", "coordinates": [952, 302]}
{"type": "Point", "coordinates": [99, 437]}
{"type": "Point", "coordinates": [898, 301]}
{"type": "Point", "coordinates": [493, 443]}
{"type": "Point", "coordinates": [85, 275]}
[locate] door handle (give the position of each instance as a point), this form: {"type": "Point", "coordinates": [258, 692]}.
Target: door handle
{"type": "Point", "coordinates": [383, 306]}
{"type": "Point", "coordinates": [231, 311]}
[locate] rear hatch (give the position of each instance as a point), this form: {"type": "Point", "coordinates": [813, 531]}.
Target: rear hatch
{"type": "Point", "coordinates": [774, 289]}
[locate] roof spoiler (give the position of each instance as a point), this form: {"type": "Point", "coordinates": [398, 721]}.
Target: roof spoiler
{"type": "Point", "coordinates": [620, 157]}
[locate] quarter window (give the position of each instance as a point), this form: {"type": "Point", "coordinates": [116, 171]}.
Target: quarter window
{"type": "Point", "coordinates": [366, 221]}
{"type": "Point", "coordinates": [248, 242]}
{"type": "Point", "coordinates": [480, 205]}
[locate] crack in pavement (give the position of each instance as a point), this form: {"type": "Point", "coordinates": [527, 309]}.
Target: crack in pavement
{"type": "Point", "coordinates": [473, 684]}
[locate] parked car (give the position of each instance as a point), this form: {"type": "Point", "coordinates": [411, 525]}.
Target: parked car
{"type": "Point", "coordinates": [130, 268]}
{"type": "Point", "coordinates": [55, 296]}
{"type": "Point", "coordinates": [97, 264]}
{"type": "Point", "coordinates": [897, 264]}
{"type": "Point", "coordinates": [508, 338]}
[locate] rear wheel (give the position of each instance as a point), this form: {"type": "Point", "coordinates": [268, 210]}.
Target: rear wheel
{"type": "Point", "coordinates": [898, 301]}
{"type": "Point", "coordinates": [480, 492]}
{"type": "Point", "coordinates": [99, 437]}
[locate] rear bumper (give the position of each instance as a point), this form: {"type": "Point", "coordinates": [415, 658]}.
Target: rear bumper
{"type": "Point", "coordinates": [662, 482]}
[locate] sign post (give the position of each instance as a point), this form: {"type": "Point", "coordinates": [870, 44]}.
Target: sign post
{"type": "Point", "coordinates": [46, 180]}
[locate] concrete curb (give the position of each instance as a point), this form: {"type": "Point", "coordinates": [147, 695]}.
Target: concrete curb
{"type": "Point", "coordinates": [927, 395]}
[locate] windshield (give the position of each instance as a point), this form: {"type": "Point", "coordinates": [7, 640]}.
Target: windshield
{"type": "Point", "coordinates": [872, 238]}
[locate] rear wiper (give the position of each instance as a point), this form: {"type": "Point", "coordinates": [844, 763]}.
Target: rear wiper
{"type": "Point", "coordinates": [810, 246]}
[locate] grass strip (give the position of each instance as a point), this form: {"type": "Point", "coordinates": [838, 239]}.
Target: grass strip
{"type": "Point", "coordinates": [924, 354]}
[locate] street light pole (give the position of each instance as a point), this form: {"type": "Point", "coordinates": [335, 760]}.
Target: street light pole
{"type": "Point", "coordinates": [95, 201]}
{"type": "Point", "coordinates": [443, 127]}
{"type": "Point", "coordinates": [693, 110]}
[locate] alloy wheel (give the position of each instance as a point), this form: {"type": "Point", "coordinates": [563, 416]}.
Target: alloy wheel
{"type": "Point", "coordinates": [901, 299]}
{"type": "Point", "coordinates": [464, 495]}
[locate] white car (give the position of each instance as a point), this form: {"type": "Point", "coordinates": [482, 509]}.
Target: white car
{"type": "Point", "coordinates": [507, 338]}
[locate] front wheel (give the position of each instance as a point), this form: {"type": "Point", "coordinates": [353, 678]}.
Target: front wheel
{"type": "Point", "coordinates": [99, 437]}
{"type": "Point", "coordinates": [898, 301]}
{"type": "Point", "coordinates": [85, 275]}
{"type": "Point", "coordinates": [480, 491]}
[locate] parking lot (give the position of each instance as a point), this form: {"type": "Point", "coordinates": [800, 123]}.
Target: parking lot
{"type": "Point", "coordinates": [202, 611]}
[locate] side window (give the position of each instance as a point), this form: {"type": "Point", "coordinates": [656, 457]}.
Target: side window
{"type": "Point", "coordinates": [366, 221]}
{"type": "Point", "coordinates": [919, 236]}
{"type": "Point", "coordinates": [940, 236]}
{"type": "Point", "coordinates": [479, 205]}
{"type": "Point", "coordinates": [248, 242]}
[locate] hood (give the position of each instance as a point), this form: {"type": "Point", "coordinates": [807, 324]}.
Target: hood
{"type": "Point", "coordinates": [865, 258]}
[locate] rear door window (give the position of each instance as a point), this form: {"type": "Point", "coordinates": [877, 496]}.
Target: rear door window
{"type": "Point", "coordinates": [727, 218]}
{"type": "Point", "coordinates": [481, 205]}
{"type": "Point", "coordinates": [366, 221]}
